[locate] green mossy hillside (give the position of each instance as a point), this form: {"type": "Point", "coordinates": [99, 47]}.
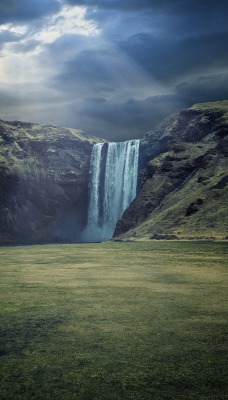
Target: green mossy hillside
{"type": "Point", "coordinates": [183, 189]}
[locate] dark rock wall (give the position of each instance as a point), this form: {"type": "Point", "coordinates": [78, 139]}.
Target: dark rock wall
{"type": "Point", "coordinates": [44, 174]}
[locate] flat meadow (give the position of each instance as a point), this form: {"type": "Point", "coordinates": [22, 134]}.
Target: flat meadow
{"type": "Point", "coordinates": [114, 321]}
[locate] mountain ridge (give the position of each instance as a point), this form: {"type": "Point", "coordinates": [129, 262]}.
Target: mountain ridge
{"type": "Point", "coordinates": [183, 187]}
{"type": "Point", "coordinates": [44, 180]}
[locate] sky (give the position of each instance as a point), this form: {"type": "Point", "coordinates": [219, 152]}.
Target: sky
{"type": "Point", "coordinates": [112, 68]}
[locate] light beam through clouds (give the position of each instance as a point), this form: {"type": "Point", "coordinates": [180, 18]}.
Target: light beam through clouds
{"type": "Point", "coordinates": [112, 69]}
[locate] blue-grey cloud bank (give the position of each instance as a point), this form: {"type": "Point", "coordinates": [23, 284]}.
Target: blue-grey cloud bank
{"type": "Point", "coordinates": [113, 68]}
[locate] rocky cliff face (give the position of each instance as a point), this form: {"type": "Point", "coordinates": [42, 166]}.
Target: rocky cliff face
{"type": "Point", "coordinates": [44, 174]}
{"type": "Point", "coordinates": [44, 177]}
{"type": "Point", "coordinates": [183, 188]}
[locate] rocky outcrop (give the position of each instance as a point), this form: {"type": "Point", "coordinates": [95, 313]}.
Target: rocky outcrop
{"type": "Point", "coordinates": [183, 188]}
{"type": "Point", "coordinates": [44, 174]}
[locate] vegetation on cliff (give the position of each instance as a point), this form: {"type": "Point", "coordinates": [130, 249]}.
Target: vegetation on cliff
{"type": "Point", "coordinates": [183, 188]}
{"type": "Point", "coordinates": [44, 175]}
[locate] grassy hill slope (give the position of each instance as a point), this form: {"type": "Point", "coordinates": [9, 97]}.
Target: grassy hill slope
{"type": "Point", "coordinates": [183, 189]}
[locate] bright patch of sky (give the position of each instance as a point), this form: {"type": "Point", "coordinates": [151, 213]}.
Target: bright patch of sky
{"type": "Point", "coordinates": [18, 29]}
{"type": "Point", "coordinates": [71, 20]}
{"type": "Point", "coordinates": [111, 68]}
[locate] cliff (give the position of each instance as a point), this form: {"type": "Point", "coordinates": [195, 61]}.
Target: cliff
{"type": "Point", "coordinates": [182, 191]}
{"type": "Point", "coordinates": [44, 173]}
{"type": "Point", "coordinates": [183, 187]}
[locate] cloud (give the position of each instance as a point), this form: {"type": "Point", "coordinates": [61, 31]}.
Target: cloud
{"type": "Point", "coordinates": [113, 4]}
{"type": "Point", "coordinates": [132, 118]}
{"type": "Point", "coordinates": [113, 68]}
{"type": "Point", "coordinates": [67, 21]}
{"type": "Point", "coordinates": [8, 37]}
{"type": "Point", "coordinates": [191, 5]}
{"type": "Point", "coordinates": [26, 46]}
{"type": "Point", "coordinates": [22, 11]}
{"type": "Point", "coordinates": [129, 119]}
{"type": "Point", "coordinates": [114, 120]}
{"type": "Point", "coordinates": [168, 60]}
{"type": "Point", "coordinates": [205, 88]}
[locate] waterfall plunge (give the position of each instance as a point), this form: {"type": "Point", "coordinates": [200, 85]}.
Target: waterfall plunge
{"type": "Point", "coordinates": [113, 184]}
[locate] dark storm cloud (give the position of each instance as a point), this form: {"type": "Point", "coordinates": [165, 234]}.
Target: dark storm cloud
{"type": "Point", "coordinates": [113, 4]}
{"type": "Point", "coordinates": [182, 44]}
{"type": "Point", "coordinates": [173, 17]}
{"type": "Point", "coordinates": [26, 10]}
{"type": "Point", "coordinates": [92, 71]}
{"type": "Point", "coordinates": [150, 58]}
{"type": "Point", "coordinates": [130, 119]}
{"type": "Point", "coordinates": [176, 5]}
{"type": "Point", "coordinates": [184, 55]}
{"type": "Point", "coordinates": [168, 60]}
{"type": "Point", "coordinates": [203, 89]}
{"type": "Point", "coordinates": [192, 39]}
{"type": "Point", "coordinates": [134, 117]}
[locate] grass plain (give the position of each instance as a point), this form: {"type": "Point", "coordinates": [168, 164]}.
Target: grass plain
{"type": "Point", "coordinates": [111, 321]}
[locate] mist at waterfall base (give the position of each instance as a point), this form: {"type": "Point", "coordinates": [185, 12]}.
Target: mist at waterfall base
{"type": "Point", "coordinates": [113, 185]}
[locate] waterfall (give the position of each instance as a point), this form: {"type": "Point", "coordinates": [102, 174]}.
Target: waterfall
{"type": "Point", "coordinates": [95, 164]}
{"type": "Point", "coordinates": [113, 184]}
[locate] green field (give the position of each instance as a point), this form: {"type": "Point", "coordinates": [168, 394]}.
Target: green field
{"type": "Point", "coordinates": [142, 320]}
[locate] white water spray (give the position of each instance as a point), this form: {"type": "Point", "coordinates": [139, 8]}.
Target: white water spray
{"type": "Point", "coordinates": [113, 186]}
